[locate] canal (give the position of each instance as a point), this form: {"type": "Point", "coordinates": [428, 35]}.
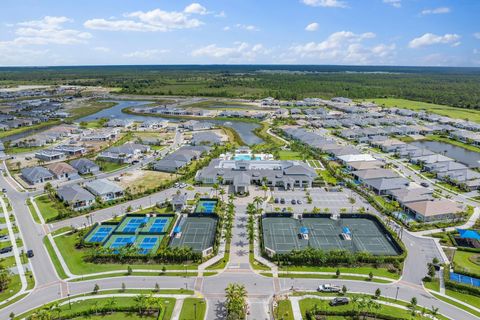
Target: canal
{"type": "Point", "coordinates": [467, 157]}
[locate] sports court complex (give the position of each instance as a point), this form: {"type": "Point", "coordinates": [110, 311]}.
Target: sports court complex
{"type": "Point", "coordinates": [142, 231]}
{"type": "Point", "coordinates": [196, 232]}
{"type": "Point", "coordinates": [282, 234]}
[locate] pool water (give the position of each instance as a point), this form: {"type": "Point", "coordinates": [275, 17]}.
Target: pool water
{"type": "Point", "coordinates": [244, 157]}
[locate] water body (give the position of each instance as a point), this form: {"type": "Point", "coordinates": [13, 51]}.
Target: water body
{"type": "Point", "coordinates": [467, 157]}
{"type": "Point", "coordinates": [244, 129]}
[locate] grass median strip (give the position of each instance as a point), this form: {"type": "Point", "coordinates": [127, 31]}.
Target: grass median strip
{"type": "Point", "coordinates": [193, 309]}
{"type": "Point", "coordinates": [456, 304]}
{"type": "Point", "coordinates": [55, 260]}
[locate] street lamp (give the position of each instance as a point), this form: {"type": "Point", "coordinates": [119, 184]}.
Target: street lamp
{"type": "Point", "coordinates": [396, 295]}
{"type": "Point", "coordinates": [69, 302]}
{"type": "Point", "coordinates": [195, 310]}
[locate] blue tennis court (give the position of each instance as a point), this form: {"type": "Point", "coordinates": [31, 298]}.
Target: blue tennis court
{"type": "Point", "coordinates": [464, 279]}
{"type": "Point", "coordinates": [122, 242]}
{"type": "Point", "coordinates": [206, 206]}
{"type": "Point", "coordinates": [147, 244]}
{"type": "Point", "coordinates": [158, 225]}
{"type": "Point", "coordinates": [101, 234]}
{"type": "Point", "coordinates": [133, 224]}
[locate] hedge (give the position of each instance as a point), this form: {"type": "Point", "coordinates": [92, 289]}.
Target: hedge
{"type": "Point", "coordinates": [101, 311]}
{"type": "Point", "coordinates": [349, 313]}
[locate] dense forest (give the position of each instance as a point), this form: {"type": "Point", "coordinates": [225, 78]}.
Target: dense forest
{"type": "Point", "coordinates": [459, 87]}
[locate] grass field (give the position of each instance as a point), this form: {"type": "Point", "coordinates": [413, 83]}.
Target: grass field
{"type": "Point", "coordinates": [377, 272]}
{"type": "Point", "coordinates": [74, 260]}
{"type": "Point", "coordinates": [472, 300]}
{"type": "Point", "coordinates": [47, 207]}
{"type": "Point", "coordinates": [284, 310]}
{"type": "Point", "coordinates": [107, 166]}
{"type": "Point", "coordinates": [457, 113]}
{"type": "Point", "coordinates": [85, 305]}
{"type": "Point", "coordinates": [193, 309]}
{"type": "Point", "coordinates": [468, 261]}
{"type": "Point", "coordinates": [327, 177]}
{"type": "Point", "coordinates": [289, 155]}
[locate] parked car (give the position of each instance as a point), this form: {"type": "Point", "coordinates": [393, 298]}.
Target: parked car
{"type": "Point", "coordinates": [282, 201]}
{"type": "Point", "coordinates": [339, 301]}
{"type": "Point", "coordinates": [294, 201]}
{"type": "Point", "coordinates": [424, 184]}
{"type": "Point", "coordinates": [30, 253]}
{"type": "Point", "coordinates": [6, 250]}
{"type": "Point", "coordinates": [4, 190]}
{"type": "Point", "coordinates": [299, 201]}
{"type": "Point", "coordinates": [328, 288]}
{"type": "Point", "coordinates": [276, 200]}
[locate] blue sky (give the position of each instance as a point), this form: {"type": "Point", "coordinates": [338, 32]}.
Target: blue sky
{"type": "Point", "coordinates": [353, 32]}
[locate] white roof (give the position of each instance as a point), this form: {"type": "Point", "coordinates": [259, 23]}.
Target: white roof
{"type": "Point", "coordinates": [356, 157]}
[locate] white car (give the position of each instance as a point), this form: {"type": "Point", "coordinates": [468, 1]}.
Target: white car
{"type": "Point", "coordinates": [328, 288]}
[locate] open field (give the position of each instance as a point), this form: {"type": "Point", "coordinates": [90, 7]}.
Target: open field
{"type": "Point", "coordinates": [457, 113]}
{"type": "Point", "coordinates": [468, 261]}
{"type": "Point", "coordinates": [46, 207]}
{"type": "Point", "coordinates": [140, 180]}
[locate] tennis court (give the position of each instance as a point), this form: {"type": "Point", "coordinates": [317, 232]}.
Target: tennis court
{"type": "Point", "coordinates": [464, 279]}
{"type": "Point", "coordinates": [119, 241]}
{"type": "Point", "coordinates": [100, 233]}
{"type": "Point", "coordinates": [132, 224]}
{"type": "Point", "coordinates": [283, 235]}
{"type": "Point", "coordinates": [197, 233]}
{"type": "Point", "coordinates": [147, 244]}
{"type": "Point", "coordinates": [206, 206]}
{"type": "Point", "coordinates": [159, 225]}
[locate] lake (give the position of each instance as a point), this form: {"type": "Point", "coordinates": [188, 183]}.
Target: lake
{"type": "Point", "coordinates": [467, 157]}
{"type": "Point", "coordinates": [244, 129]}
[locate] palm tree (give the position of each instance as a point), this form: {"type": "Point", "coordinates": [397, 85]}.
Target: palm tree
{"type": "Point", "coordinates": [111, 303]}
{"type": "Point", "coordinates": [257, 201]}
{"type": "Point", "coordinates": [216, 187]}
{"type": "Point", "coordinates": [222, 193]}
{"type": "Point", "coordinates": [264, 189]}
{"type": "Point", "coordinates": [140, 301]}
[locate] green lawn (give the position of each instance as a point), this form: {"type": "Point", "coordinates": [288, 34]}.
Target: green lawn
{"type": "Point", "coordinates": [167, 303]}
{"type": "Point", "coordinates": [107, 166]}
{"type": "Point", "coordinates": [468, 261]}
{"type": "Point", "coordinates": [289, 155]}
{"type": "Point", "coordinates": [327, 177]}
{"type": "Point", "coordinates": [379, 272]}
{"type": "Point", "coordinates": [13, 287]}
{"type": "Point", "coordinates": [56, 263]}
{"type": "Point", "coordinates": [458, 113]}
{"type": "Point", "coordinates": [193, 309]}
{"type": "Point", "coordinates": [74, 260]}
{"type": "Point", "coordinates": [333, 277]}
{"type": "Point", "coordinates": [284, 310]}
{"type": "Point", "coordinates": [472, 300]}
{"type": "Point", "coordinates": [46, 206]}
{"type": "Point", "coordinates": [459, 305]}
{"type": "Point", "coordinates": [32, 211]}
{"type": "Point", "coordinates": [309, 303]}
{"type": "Point", "coordinates": [433, 285]}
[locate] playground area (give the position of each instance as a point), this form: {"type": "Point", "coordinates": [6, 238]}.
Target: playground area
{"type": "Point", "coordinates": [141, 231]}
{"type": "Point", "coordinates": [355, 234]}
{"type": "Point", "coordinates": [197, 233]}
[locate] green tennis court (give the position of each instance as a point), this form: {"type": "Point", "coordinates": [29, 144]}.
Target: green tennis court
{"type": "Point", "coordinates": [282, 235]}
{"type": "Point", "coordinates": [197, 233]}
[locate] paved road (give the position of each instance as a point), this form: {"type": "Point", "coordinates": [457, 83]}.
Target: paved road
{"type": "Point", "coordinates": [260, 289]}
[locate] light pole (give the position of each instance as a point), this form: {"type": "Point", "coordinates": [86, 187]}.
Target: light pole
{"type": "Point", "coordinates": [69, 302]}
{"type": "Point", "coordinates": [195, 310]}
{"type": "Point", "coordinates": [396, 295]}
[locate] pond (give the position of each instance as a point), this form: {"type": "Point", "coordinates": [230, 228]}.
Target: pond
{"type": "Point", "coordinates": [244, 129]}
{"type": "Point", "coordinates": [467, 157]}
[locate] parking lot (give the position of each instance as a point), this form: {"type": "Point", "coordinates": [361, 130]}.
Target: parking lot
{"type": "Point", "coordinates": [320, 198]}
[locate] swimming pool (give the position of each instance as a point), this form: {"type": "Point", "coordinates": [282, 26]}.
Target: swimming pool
{"type": "Point", "coordinates": [244, 157]}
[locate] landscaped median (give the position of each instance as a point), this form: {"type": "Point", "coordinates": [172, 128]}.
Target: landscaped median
{"type": "Point", "coordinates": [316, 304]}
{"type": "Point", "coordinates": [123, 304]}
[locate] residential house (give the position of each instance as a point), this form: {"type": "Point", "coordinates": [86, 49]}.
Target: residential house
{"type": "Point", "coordinates": [76, 197]}
{"type": "Point", "coordinates": [125, 153]}
{"type": "Point", "coordinates": [35, 175]}
{"type": "Point", "coordinates": [105, 189]}
{"type": "Point", "coordinates": [49, 155]}
{"type": "Point", "coordinates": [62, 170]}
{"type": "Point", "coordinates": [434, 210]}
{"type": "Point", "coordinates": [383, 185]}
{"type": "Point", "coordinates": [85, 166]}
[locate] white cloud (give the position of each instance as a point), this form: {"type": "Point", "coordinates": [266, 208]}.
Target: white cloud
{"type": "Point", "coordinates": [195, 8]}
{"type": "Point", "coordinates": [440, 10]}
{"type": "Point", "coordinates": [241, 51]}
{"type": "Point", "coordinates": [227, 28]}
{"type": "Point", "coordinates": [248, 27]}
{"type": "Point", "coordinates": [430, 39]}
{"type": "Point", "coordinates": [312, 27]}
{"type": "Point", "coordinates": [48, 30]}
{"type": "Point", "coordinates": [154, 20]}
{"type": "Point", "coordinates": [345, 47]}
{"type": "Point", "coordinates": [221, 14]}
{"type": "Point", "coordinates": [326, 3]}
{"type": "Point", "coordinates": [394, 3]}
{"type": "Point", "coordinates": [477, 35]}
{"type": "Point", "coordinates": [145, 54]}
{"type": "Point", "coordinates": [101, 49]}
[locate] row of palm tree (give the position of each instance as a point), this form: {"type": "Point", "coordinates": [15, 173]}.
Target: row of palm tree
{"type": "Point", "coordinates": [236, 303]}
